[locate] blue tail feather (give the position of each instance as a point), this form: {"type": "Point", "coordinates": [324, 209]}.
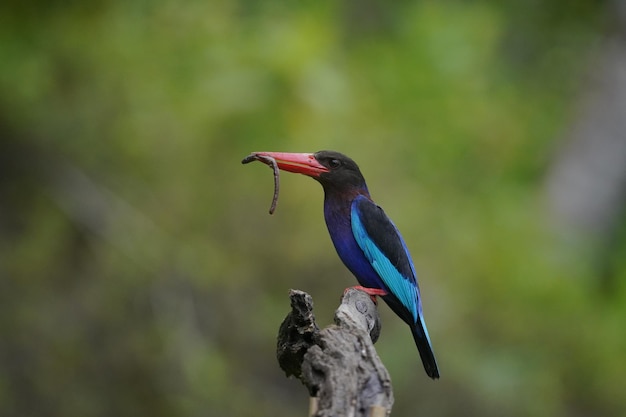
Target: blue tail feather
{"type": "Point", "coordinates": [422, 340]}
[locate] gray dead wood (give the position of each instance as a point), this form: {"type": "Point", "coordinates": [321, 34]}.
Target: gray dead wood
{"type": "Point", "coordinates": [338, 364]}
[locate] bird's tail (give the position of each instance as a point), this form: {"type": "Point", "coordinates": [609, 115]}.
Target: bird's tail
{"type": "Point", "coordinates": [422, 340]}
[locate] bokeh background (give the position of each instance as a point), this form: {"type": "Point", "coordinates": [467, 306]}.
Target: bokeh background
{"type": "Point", "coordinates": [140, 273]}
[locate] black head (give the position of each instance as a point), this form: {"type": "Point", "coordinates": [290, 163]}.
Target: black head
{"type": "Point", "coordinates": [343, 173]}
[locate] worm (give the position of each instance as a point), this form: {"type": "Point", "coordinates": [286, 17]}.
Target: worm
{"type": "Point", "coordinates": [272, 163]}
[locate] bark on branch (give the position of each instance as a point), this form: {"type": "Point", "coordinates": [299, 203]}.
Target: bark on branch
{"type": "Point", "coordinates": [338, 364]}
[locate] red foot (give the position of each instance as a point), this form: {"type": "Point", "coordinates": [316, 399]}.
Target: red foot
{"type": "Point", "coordinates": [372, 292]}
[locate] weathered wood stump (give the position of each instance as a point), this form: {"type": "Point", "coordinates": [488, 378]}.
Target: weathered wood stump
{"type": "Point", "coordinates": [338, 364]}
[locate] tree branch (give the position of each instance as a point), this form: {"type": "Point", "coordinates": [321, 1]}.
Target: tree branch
{"type": "Point", "coordinates": [338, 364]}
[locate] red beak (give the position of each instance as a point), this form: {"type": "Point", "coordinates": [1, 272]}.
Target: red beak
{"type": "Point", "coordinates": [300, 163]}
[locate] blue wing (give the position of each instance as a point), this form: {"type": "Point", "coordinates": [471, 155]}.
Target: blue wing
{"type": "Point", "coordinates": [385, 250]}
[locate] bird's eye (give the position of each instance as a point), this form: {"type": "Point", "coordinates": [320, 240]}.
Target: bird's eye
{"type": "Point", "coordinates": [334, 163]}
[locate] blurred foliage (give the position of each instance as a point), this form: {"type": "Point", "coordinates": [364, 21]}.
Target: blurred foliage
{"type": "Point", "coordinates": [141, 275]}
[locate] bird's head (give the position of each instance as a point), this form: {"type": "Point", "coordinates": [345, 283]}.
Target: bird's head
{"type": "Point", "coordinates": [334, 170]}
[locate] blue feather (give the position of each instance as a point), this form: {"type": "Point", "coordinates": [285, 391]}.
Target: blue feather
{"type": "Point", "coordinates": [403, 287]}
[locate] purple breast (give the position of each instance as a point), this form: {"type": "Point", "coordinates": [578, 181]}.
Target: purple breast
{"type": "Point", "coordinates": [340, 230]}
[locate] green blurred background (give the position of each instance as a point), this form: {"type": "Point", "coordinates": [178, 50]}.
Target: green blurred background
{"type": "Point", "coordinates": [141, 273]}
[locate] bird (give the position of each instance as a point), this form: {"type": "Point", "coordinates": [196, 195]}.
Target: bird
{"type": "Point", "coordinates": [366, 240]}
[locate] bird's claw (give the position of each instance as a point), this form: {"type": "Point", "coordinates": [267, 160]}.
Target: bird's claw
{"type": "Point", "coordinates": [372, 292]}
